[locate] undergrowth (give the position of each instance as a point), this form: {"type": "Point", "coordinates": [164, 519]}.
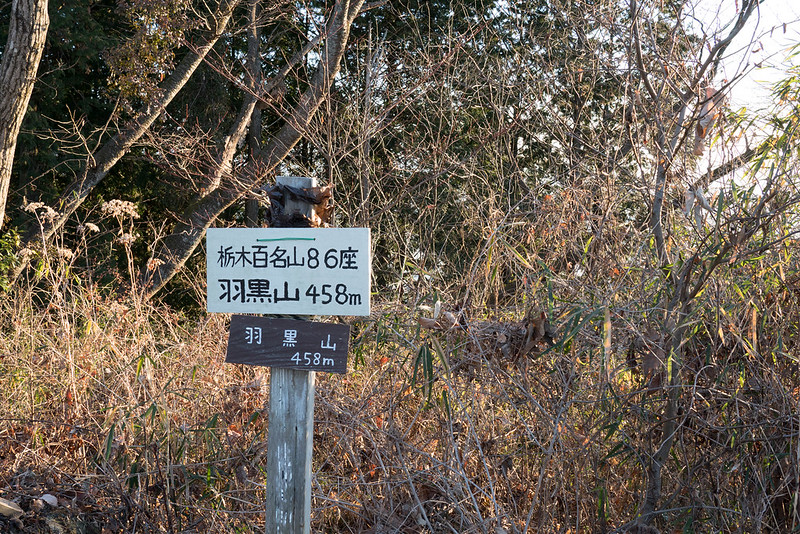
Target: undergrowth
{"type": "Point", "coordinates": [125, 412]}
{"type": "Point", "coordinates": [119, 415]}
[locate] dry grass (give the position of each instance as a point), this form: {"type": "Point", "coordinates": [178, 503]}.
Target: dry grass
{"type": "Point", "coordinates": [125, 412]}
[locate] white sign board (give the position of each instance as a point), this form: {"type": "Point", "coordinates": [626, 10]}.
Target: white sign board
{"type": "Point", "coordinates": [303, 271]}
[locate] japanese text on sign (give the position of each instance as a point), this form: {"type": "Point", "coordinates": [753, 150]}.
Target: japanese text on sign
{"type": "Point", "coordinates": [286, 257]}
{"type": "Point", "coordinates": [314, 271]}
{"type": "Point", "coordinates": [301, 345]}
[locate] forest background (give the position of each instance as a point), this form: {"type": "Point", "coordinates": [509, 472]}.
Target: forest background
{"type": "Point", "coordinates": [585, 261]}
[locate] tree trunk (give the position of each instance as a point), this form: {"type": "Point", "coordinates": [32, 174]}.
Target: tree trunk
{"type": "Point", "coordinates": [252, 205]}
{"type": "Point", "coordinates": [26, 38]}
{"type": "Point", "coordinates": [176, 248]}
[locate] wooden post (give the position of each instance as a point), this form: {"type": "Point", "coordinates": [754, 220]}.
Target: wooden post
{"type": "Point", "coordinates": [290, 439]}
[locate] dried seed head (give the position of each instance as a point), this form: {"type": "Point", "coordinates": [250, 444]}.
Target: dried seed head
{"type": "Point", "coordinates": [119, 208]}
{"type": "Point", "coordinates": [127, 238]}
{"type": "Point", "coordinates": [49, 213]}
{"type": "Point", "coordinates": [88, 227]}
{"type": "Point", "coordinates": [154, 263]}
{"type": "Point", "coordinates": [65, 253]}
{"type": "Point", "coordinates": [33, 206]}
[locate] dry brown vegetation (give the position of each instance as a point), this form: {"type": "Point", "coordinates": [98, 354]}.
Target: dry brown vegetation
{"type": "Point", "coordinates": [124, 411]}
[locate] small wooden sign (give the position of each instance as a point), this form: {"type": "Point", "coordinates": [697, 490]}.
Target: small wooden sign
{"type": "Point", "coordinates": [295, 271]}
{"type": "Point", "coordinates": [288, 343]}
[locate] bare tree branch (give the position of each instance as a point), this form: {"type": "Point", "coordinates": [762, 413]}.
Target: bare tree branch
{"type": "Point", "coordinates": [187, 235]}
{"type": "Point", "coordinates": [100, 163]}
